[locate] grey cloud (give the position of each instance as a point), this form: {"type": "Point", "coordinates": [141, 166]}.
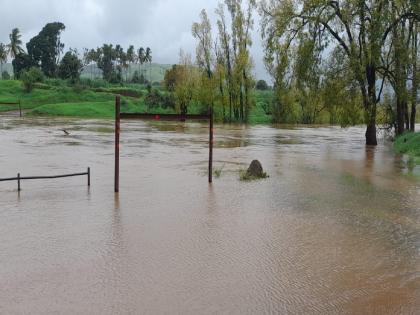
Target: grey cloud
{"type": "Point", "coordinates": [163, 25]}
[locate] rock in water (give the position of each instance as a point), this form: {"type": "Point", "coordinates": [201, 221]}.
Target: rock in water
{"type": "Point", "coordinates": [255, 170]}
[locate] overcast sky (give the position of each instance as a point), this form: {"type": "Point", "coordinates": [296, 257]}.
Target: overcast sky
{"type": "Point", "coordinates": [162, 25]}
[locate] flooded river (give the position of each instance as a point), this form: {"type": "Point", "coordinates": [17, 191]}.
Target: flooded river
{"type": "Point", "coordinates": [335, 229]}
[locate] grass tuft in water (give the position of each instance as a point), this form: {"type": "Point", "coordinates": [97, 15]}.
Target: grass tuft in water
{"type": "Point", "coordinates": [245, 176]}
{"type": "Point", "coordinates": [217, 172]}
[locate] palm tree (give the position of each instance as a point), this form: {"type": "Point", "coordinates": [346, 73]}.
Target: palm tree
{"type": "Point", "coordinates": [131, 57]}
{"type": "Point", "coordinates": [3, 57]}
{"type": "Point", "coordinates": [148, 58]}
{"type": "Point", "coordinates": [15, 46]}
{"type": "Point", "coordinates": [141, 58]}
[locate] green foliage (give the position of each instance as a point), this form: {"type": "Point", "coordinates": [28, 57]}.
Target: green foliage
{"type": "Point", "coordinates": [44, 48]}
{"type": "Point", "coordinates": [15, 45]}
{"type": "Point", "coordinates": [408, 143]}
{"type": "Point", "coordinates": [262, 85]}
{"type": "Point", "coordinates": [138, 78]}
{"type": "Point", "coordinates": [245, 176]}
{"type": "Point", "coordinates": [224, 78]}
{"type": "Point", "coordinates": [3, 56]}
{"type": "Point", "coordinates": [5, 75]}
{"type": "Point", "coordinates": [217, 171]}
{"type": "Point", "coordinates": [155, 99]}
{"type": "Point", "coordinates": [106, 56]}
{"type": "Point", "coordinates": [299, 36]}
{"type": "Point", "coordinates": [70, 67]}
{"type": "Point", "coordinates": [93, 83]}
{"type": "Point", "coordinates": [30, 77]}
{"type": "Point", "coordinates": [21, 63]}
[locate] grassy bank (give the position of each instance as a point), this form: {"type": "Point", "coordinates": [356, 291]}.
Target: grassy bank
{"type": "Point", "coordinates": [408, 143]}
{"type": "Point", "coordinates": [55, 98]}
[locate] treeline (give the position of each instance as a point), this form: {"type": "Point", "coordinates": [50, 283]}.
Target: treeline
{"type": "Point", "coordinates": [345, 57]}
{"type": "Point", "coordinates": [43, 55]}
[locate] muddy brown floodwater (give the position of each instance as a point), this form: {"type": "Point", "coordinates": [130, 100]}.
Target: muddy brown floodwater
{"type": "Point", "coordinates": [334, 230]}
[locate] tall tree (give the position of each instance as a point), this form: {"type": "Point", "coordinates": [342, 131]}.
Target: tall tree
{"type": "Point", "coordinates": [148, 58]}
{"type": "Point", "coordinates": [225, 54]}
{"type": "Point", "coordinates": [106, 58]}
{"type": "Point", "coordinates": [70, 66]}
{"type": "Point", "coordinates": [131, 57]}
{"type": "Point", "coordinates": [45, 48]}
{"type": "Point", "coordinates": [3, 56]}
{"type": "Point", "coordinates": [202, 32]}
{"type": "Point", "coordinates": [415, 73]}
{"type": "Point", "coordinates": [141, 59]}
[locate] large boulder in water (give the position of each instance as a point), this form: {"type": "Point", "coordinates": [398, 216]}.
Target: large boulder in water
{"type": "Point", "coordinates": [255, 170]}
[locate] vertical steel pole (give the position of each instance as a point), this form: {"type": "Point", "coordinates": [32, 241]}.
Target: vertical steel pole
{"type": "Point", "coordinates": [117, 144]}
{"type": "Point", "coordinates": [211, 145]}
{"type": "Point", "coordinates": [18, 178]}
{"type": "Point", "coordinates": [88, 174]}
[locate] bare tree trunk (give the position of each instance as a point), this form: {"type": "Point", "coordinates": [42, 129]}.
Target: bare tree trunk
{"type": "Point", "coordinates": [406, 116]}
{"type": "Point", "coordinates": [370, 106]}
{"type": "Point", "coordinates": [415, 84]}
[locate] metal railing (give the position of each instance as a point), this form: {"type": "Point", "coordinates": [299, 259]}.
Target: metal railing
{"type": "Point", "coordinates": [20, 178]}
{"type": "Point", "coordinates": [159, 117]}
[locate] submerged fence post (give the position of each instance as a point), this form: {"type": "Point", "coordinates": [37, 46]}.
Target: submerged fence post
{"type": "Point", "coordinates": [18, 179]}
{"type": "Point", "coordinates": [88, 175]}
{"type": "Point", "coordinates": [117, 145]}
{"type": "Point", "coordinates": [211, 145]}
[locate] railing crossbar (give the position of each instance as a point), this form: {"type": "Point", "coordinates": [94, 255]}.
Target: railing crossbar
{"type": "Point", "coordinates": [14, 103]}
{"type": "Point", "coordinates": [167, 117]}
{"type": "Point", "coordinates": [20, 178]}
{"type": "Point", "coordinates": [43, 177]}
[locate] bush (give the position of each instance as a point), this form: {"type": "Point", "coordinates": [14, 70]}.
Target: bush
{"type": "Point", "coordinates": [261, 85]}
{"type": "Point", "coordinates": [55, 82]}
{"type": "Point", "coordinates": [30, 77]}
{"type": "Point", "coordinates": [157, 99]}
{"type": "Point", "coordinates": [408, 143]}
{"type": "Point", "coordinates": [70, 67]}
{"type": "Point", "coordinates": [95, 83]}
{"type": "Point", "coordinates": [5, 75]}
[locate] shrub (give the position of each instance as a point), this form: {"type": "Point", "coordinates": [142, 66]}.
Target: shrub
{"type": "Point", "coordinates": [261, 85]}
{"type": "Point", "coordinates": [95, 83]}
{"type": "Point", "coordinates": [70, 67]}
{"type": "Point", "coordinates": [156, 99]}
{"type": "Point", "coordinates": [30, 77]}
{"type": "Point", "coordinates": [5, 75]}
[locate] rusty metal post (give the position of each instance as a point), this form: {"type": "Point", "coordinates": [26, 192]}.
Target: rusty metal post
{"type": "Point", "coordinates": [117, 144]}
{"type": "Point", "coordinates": [20, 109]}
{"type": "Point", "coordinates": [18, 179]}
{"type": "Point", "coordinates": [88, 176]}
{"type": "Point", "coordinates": [211, 145]}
